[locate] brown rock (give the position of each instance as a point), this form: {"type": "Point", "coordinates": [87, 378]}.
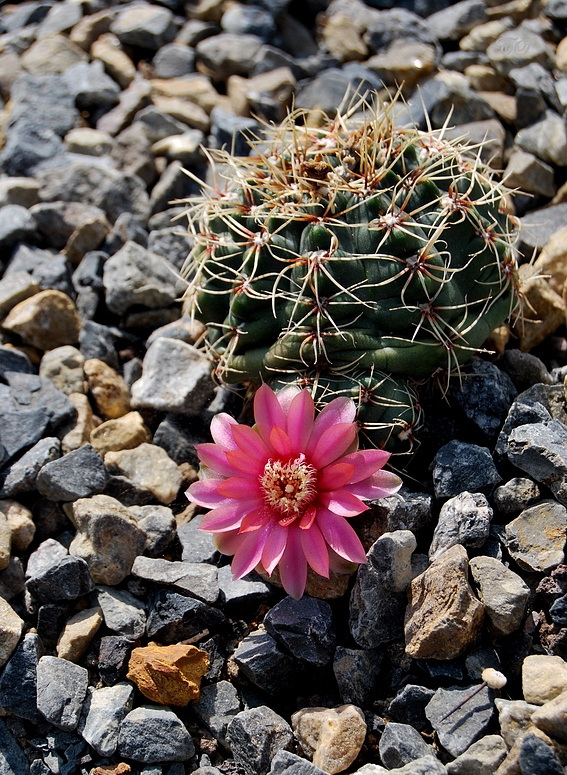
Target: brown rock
{"type": "Point", "coordinates": [544, 677]}
{"type": "Point", "coordinates": [443, 616]}
{"type": "Point", "coordinates": [187, 112]}
{"type": "Point", "coordinates": [404, 62]}
{"type": "Point", "coordinates": [485, 78]}
{"type": "Point", "coordinates": [5, 541]}
{"type": "Point", "coordinates": [108, 389]}
{"type": "Point", "coordinates": [481, 36]}
{"type": "Point", "coordinates": [20, 523]}
{"type": "Point", "coordinates": [195, 88]}
{"type": "Point", "coordinates": [117, 64]}
{"type": "Point", "coordinates": [125, 432]}
{"type": "Point", "coordinates": [248, 94]}
{"type": "Point", "coordinates": [543, 311]}
{"type": "Point", "coordinates": [169, 675]}
{"type": "Point", "coordinates": [90, 28]}
{"type": "Point", "coordinates": [78, 633]}
{"type": "Point", "coordinates": [561, 56]}
{"type": "Point", "coordinates": [51, 55]}
{"type": "Point", "coordinates": [132, 99]}
{"type": "Point", "coordinates": [331, 737]}
{"type": "Point", "coordinates": [504, 105]}
{"type": "Point", "coordinates": [47, 320]}
{"type": "Point", "coordinates": [552, 261]}
{"type": "Point", "coordinates": [551, 717]}
{"type": "Point", "coordinates": [64, 367]}
{"type": "Point", "coordinates": [84, 425]}
{"type": "Point", "coordinates": [150, 468]}
{"type": "Point", "coordinates": [342, 38]}
{"type": "Point", "coordinates": [112, 769]}
{"type": "Point", "coordinates": [88, 236]}
{"type": "Point", "coordinates": [514, 718]}
{"type": "Point", "coordinates": [11, 627]}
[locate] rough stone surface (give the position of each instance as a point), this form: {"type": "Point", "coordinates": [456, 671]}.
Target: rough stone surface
{"type": "Point", "coordinates": [544, 677]}
{"type": "Point", "coordinates": [464, 519]}
{"type": "Point", "coordinates": [536, 538]}
{"type": "Point", "coordinates": [151, 735]}
{"type": "Point", "coordinates": [103, 712]}
{"type": "Point", "coordinates": [304, 627]}
{"type": "Point", "coordinates": [257, 734]}
{"type": "Point", "coordinates": [61, 691]}
{"type": "Point", "coordinates": [168, 675]}
{"type": "Point", "coordinates": [148, 467]}
{"type": "Point", "coordinates": [502, 592]}
{"type": "Point", "coordinates": [332, 737]}
{"type": "Point", "coordinates": [401, 744]}
{"type": "Point", "coordinates": [465, 724]}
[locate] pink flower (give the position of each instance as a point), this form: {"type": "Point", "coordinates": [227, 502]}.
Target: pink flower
{"type": "Point", "coordinates": [281, 492]}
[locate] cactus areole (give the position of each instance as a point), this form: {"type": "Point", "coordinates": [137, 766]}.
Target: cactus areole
{"type": "Point", "coordinates": [352, 258]}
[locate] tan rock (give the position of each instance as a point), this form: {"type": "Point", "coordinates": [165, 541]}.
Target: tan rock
{"type": "Point", "coordinates": [112, 769]}
{"type": "Point", "coordinates": [108, 389]}
{"type": "Point", "coordinates": [18, 287]}
{"type": "Point", "coordinates": [51, 55]}
{"type": "Point", "coordinates": [561, 56]}
{"type": "Point", "coordinates": [88, 236]}
{"type": "Point", "coordinates": [117, 64]}
{"type": "Point", "coordinates": [187, 112]}
{"type": "Point", "coordinates": [90, 142]}
{"type": "Point", "coordinates": [208, 10]}
{"type": "Point", "coordinates": [246, 94]}
{"type": "Point", "coordinates": [552, 261]}
{"type": "Point", "coordinates": [504, 105]}
{"type": "Point", "coordinates": [11, 627]}
{"type": "Point", "coordinates": [404, 62]}
{"type": "Point", "coordinates": [514, 717]}
{"type": "Point", "coordinates": [481, 36]}
{"type": "Point", "coordinates": [64, 367]}
{"type": "Point", "coordinates": [443, 616]}
{"type": "Point", "coordinates": [78, 633]}
{"type": "Point", "coordinates": [150, 468]}
{"type": "Point", "coordinates": [517, 10]}
{"type": "Point", "coordinates": [21, 524]}
{"type": "Point", "coordinates": [84, 425]}
{"type": "Point", "coordinates": [169, 675]}
{"type": "Point", "coordinates": [5, 541]}
{"type": "Point", "coordinates": [551, 717]}
{"type": "Point", "coordinates": [343, 39]}
{"type": "Point", "coordinates": [46, 321]}
{"type": "Point", "coordinates": [544, 677]}
{"type": "Point", "coordinates": [10, 69]}
{"type": "Point", "coordinates": [132, 99]}
{"type": "Point", "coordinates": [331, 737]}
{"type": "Point", "coordinates": [485, 78]}
{"type": "Point", "coordinates": [543, 311]}
{"type": "Point", "coordinates": [194, 88]}
{"type": "Point", "coordinates": [125, 432]}
{"type": "Point", "coordinates": [90, 28]}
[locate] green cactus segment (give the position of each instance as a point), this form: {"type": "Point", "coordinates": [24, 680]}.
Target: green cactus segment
{"type": "Point", "coordinates": [356, 247]}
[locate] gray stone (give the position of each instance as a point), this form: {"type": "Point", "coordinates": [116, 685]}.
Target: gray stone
{"type": "Point", "coordinates": [171, 243]}
{"type": "Point", "coordinates": [515, 495]}
{"type": "Point", "coordinates": [135, 276]}
{"type": "Point", "coordinates": [394, 24]}
{"type": "Point", "coordinates": [16, 224]}
{"type": "Point", "coordinates": [466, 724]}
{"type": "Point", "coordinates": [287, 763]}
{"type": "Point", "coordinates": [329, 88]}
{"type": "Point", "coordinates": [232, 131]}
{"type": "Point", "coordinates": [408, 706]}
{"type": "Point", "coordinates": [265, 665]}
{"type": "Point", "coordinates": [61, 691]}
{"type": "Point", "coordinates": [19, 191]}
{"type": "Point", "coordinates": [356, 672]}
{"type": "Point", "coordinates": [78, 474]}
{"type": "Point", "coordinates": [12, 759]}
{"type": "Point", "coordinates": [464, 519]}
{"type": "Point", "coordinates": [48, 93]}
{"type": "Point", "coordinates": [540, 450]}
{"type": "Point", "coordinates": [103, 712]}
{"type": "Point", "coordinates": [547, 139]}
{"type": "Point", "coordinates": [482, 758]}
{"type": "Point", "coordinates": [196, 579]}
{"type": "Point", "coordinates": [228, 54]}
{"type": "Point", "coordinates": [21, 429]}
{"type": "Point", "coordinates": [158, 523]}
{"type": "Point", "coordinates": [90, 85]}
{"type": "Point", "coordinates": [13, 360]}
{"type": "Point", "coordinates": [527, 173]}
{"type": "Point", "coordinates": [378, 597]}
{"type": "Point", "coordinates": [98, 341]}
{"type": "Point", "coordinates": [173, 617]}
{"type": "Point", "coordinates": [21, 475]}
{"type": "Point", "coordinates": [159, 125]}
{"type": "Point", "coordinates": [198, 546]}
{"type": "Point", "coordinates": [459, 466]}
{"type": "Point", "coordinates": [123, 613]}
{"type": "Point", "coordinates": [256, 735]}
{"type": "Point", "coordinates": [150, 734]}
{"type": "Point", "coordinates": [534, 80]}
{"type": "Point", "coordinates": [48, 554]}
{"type": "Point", "coordinates": [146, 26]}
{"type": "Point", "coordinates": [218, 704]}
{"type": "Point", "coordinates": [401, 744]}
{"type": "Point", "coordinates": [538, 758]}
{"type": "Point", "coordinates": [454, 22]}
{"type": "Point", "coordinates": [174, 60]}
{"type": "Point", "coordinates": [404, 511]}
{"type": "Point", "coordinates": [249, 20]}
{"type": "Point", "coordinates": [240, 594]}
{"type": "Point", "coordinates": [12, 582]}
{"type": "Point", "coordinates": [18, 683]}
{"type": "Point", "coordinates": [502, 592]}
{"type": "Point", "coordinates": [517, 48]}
{"type": "Point", "coordinates": [536, 538]}
{"type": "Point", "coordinates": [558, 611]}
{"type": "Point", "coordinates": [303, 627]}
{"type": "Point", "coordinates": [60, 18]}
{"type": "Point", "coordinates": [15, 287]}
{"type": "Point", "coordinates": [524, 369]}
{"type": "Point", "coordinates": [67, 580]}
{"type": "Point", "coordinates": [537, 227]}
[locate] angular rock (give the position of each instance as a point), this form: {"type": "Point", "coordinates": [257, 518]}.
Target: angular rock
{"type": "Point", "coordinates": [77, 634]}
{"type": "Point", "coordinates": [401, 744]}
{"type": "Point", "coordinates": [11, 627]}
{"type": "Point", "coordinates": [544, 677]}
{"type": "Point", "coordinates": [20, 523]}
{"type": "Point", "coordinates": [126, 432]}
{"type": "Point", "coordinates": [13, 761]}
{"type": "Point", "coordinates": [61, 691]}
{"type": "Point", "coordinates": [255, 735]}
{"type": "Point", "coordinates": [195, 579]}
{"type": "Point", "coordinates": [18, 683]}
{"type": "Point", "coordinates": [287, 763]}
{"type": "Point", "coordinates": [408, 706]}
{"type": "Point", "coordinates": [149, 467]}
{"type": "Point", "coordinates": [123, 613]}
{"type": "Point", "coordinates": [78, 474]}
{"type": "Point", "coordinates": [67, 580]}
{"type": "Point", "coordinates": [146, 26]}
{"type": "Point", "coordinates": [464, 519]}
{"type": "Point", "coordinates": [536, 757]}
{"type": "Point", "coordinates": [546, 139]}
{"type": "Point", "coordinates": [14, 288]}
{"type": "Point", "coordinates": [216, 707]}
{"type": "Point", "coordinates": [502, 592]}
{"type": "Point", "coordinates": [517, 48]}
{"type": "Point", "coordinates": [304, 628]}
{"type": "Point", "coordinates": [514, 717]}
{"type": "Point", "coordinates": [481, 758]}
{"type": "Point", "coordinates": [516, 495]}
{"type": "Point", "coordinates": [173, 617]}
{"type": "Point", "coordinates": [536, 538]}
{"type": "Point", "coordinates": [113, 656]}
{"type": "Point", "coordinates": [461, 466]}
{"type": "Point", "coordinates": [64, 367]}
{"type": "Point", "coordinates": [264, 664]}
{"type": "Point", "coordinates": [159, 525]}
{"type": "Point", "coordinates": [103, 712]}
{"type": "Point", "coordinates": [331, 737]}
{"type": "Point", "coordinates": [46, 320]}
{"type": "Point", "coordinates": [540, 449]}
{"type": "Point", "coordinates": [168, 675]}
{"type": "Point", "coordinates": [465, 724]}
{"type": "Point", "coordinates": [152, 735]}
{"type": "Point", "coordinates": [227, 54]}
{"type": "Point", "coordinates": [239, 595]}
{"type": "Point", "coordinates": [198, 546]}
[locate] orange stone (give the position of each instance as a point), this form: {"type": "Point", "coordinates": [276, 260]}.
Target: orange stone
{"type": "Point", "coordinates": [112, 769]}
{"type": "Point", "coordinates": [169, 675]}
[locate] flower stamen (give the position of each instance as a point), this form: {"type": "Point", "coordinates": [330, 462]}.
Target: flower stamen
{"type": "Point", "coordinates": [288, 488]}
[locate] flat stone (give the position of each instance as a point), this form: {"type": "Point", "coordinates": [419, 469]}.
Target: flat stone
{"type": "Point", "coordinates": [264, 664]}
{"type": "Point", "coordinates": [61, 691]}
{"type": "Point", "coordinates": [481, 758]}
{"type": "Point", "coordinates": [502, 592]}
{"type": "Point", "coordinates": [196, 579]}
{"type": "Point", "coordinates": [331, 737]}
{"type": "Point", "coordinates": [540, 449]}
{"type": "Point", "coordinates": [198, 546]}
{"type": "Point", "coordinates": [544, 677]}
{"type": "Point", "coordinates": [216, 707]}
{"type": "Point", "coordinates": [150, 734]}
{"type": "Point", "coordinates": [78, 474]}
{"type": "Point", "coordinates": [18, 685]}
{"type": "Point", "coordinates": [227, 54]}
{"type": "Point", "coordinates": [465, 724]}
{"type": "Point", "coordinates": [122, 612]}
{"type": "Point", "coordinates": [461, 466]}
{"type": "Point", "coordinates": [464, 519]}
{"type": "Point", "coordinates": [116, 62]}
{"type": "Point", "coordinates": [174, 617]}
{"type": "Point", "coordinates": [46, 320]}
{"type": "Point", "coordinates": [149, 467]}
{"type": "Point", "coordinates": [304, 628]}
{"type": "Point", "coordinates": [176, 378]}
{"type": "Point", "coordinates": [11, 626]}
{"type": "Point", "coordinates": [77, 634]}
{"type": "Point", "coordinates": [517, 48]}
{"type": "Point", "coordinates": [256, 735]}
{"type": "Point", "coordinates": [514, 717]}
{"type": "Point", "coordinates": [443, 616]}
{"type": "Point", "coordinates": [168, 675]}
{"type": "Point", "coordinates": [528, 173]}
{"type": "Point", "coordinates": [108, 389]}
{"type": "Point", "coordinates": [107, 538]}
{"type": "Point", "coordinates": [13, 761]}
{"type": "Point", "coordinates": [401, 744]}
{"type": "Point", "coordinates": [103, 712]}
{"type": "Point", "coordinates": [546, 139]}
{"type": "Point", "coordinates": [536, 538]}
{"type": "Point", "coordinates": [287, 763]}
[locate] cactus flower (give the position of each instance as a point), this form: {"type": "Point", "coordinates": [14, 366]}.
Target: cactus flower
{"type": "Point", "coordinates": [281, 493]}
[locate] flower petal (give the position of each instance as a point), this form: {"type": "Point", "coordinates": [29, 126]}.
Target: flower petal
{"type": "Point", "coordinates": [214, 457]}
{"type": "Point", "coordinates": [343, 503]}
{"type": "Point", "coordinates": [340, 536]}
{"type": "Point", "coordinates": [315, 550]}
{"type": "Point", "coordinates": [286, 395]}
{"type": "Point", "coordinates": [229, 515]}
{"type": "Point", "coordinates": [267, 411]}
{"type": "Point", "coordinates": [333, 443]}
{"type": "Point", "coordinates": [250, 442]}
{"type": "Point", "coordinates": [221, 430]}
{"type": "Point", "coordinates": [280, 442]}
{"type": "Point", "coordinates": [300, 419]}
{"type": "Point", "coordinates": [243, 463]}
{"type": "Point", "coordinates": [293, 565]}
{"type": "Point", "coordinates": [238, 487]}
{"type": "Point", "coordinates": [366, 462]}
{"type": "Point", "coordinates": [205, 493]}
{"type": "Point", "coordinates": [274, 547]}
{"type": "Point", "coordinates": [339, 410]}
{"type": "Point", "coordinates": [335, 475]}
{"type": "Point", "coordinates": [228, 543]}
{"type": "Point", "coordinates": [255, 520]}
{"type": "Point", "coordinates": [380, 485]}
{"type": "Point", "coordinates": [249, 553]}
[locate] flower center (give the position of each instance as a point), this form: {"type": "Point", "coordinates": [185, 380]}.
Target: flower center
{"type": "Point", "coordinates": [289, 487]}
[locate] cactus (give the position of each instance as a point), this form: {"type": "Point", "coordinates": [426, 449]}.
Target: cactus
{"type": "Point", "coordinates": [351, 257]}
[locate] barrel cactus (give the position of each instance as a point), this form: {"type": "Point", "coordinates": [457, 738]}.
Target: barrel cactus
{"type": "Point", "coordinates": [355, 257]}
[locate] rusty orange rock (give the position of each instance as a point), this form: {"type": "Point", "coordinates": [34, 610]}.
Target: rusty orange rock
{"type": "Point", "coordinates": [169, 675]}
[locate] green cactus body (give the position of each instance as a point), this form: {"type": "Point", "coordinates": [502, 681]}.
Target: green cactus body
{"type": "Point", "coordinates": [354, 257]}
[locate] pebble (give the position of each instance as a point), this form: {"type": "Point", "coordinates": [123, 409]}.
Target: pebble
{"type": "Point", "coordinates": [12, 759]}
{"type": "Point", "coordinates": [255, 735]}
{"type": "Point", "coordinates": [544, 677]}
{"type": "Point", "coordinates": [78, 474]}
{"type": "Point", "coordinates": [535, 539]}
{"type": "Point", "coordinates": [103, 712]}
{"type": "Point", "coordinates": [481, 758]}
{"type": "Point", "coordinates": [304, 628]}
{"type": "Point", "coordinates": [64, 367]}
{"type": "Point", "coordinates": [168, 675]}
{"type": "Point", "coordinates": [217, 705]}
{"type": "Point", "coordinates": [287, 763]}
{"type": "Point", "coordinates": [18, 683]}
{"type": "Point", "coordinates": [108, 389]}
{"type": "Point", "coordinates": [11, 626]}
{"type": "Point", "coordinates": [459, 467]}
{"type": "Point", "coordinates": [150, 735]}
{"type": "Point", "coordinates": [47, 555]}
{"type": "Point", "coordinates": [146, 26]}
{"type": "Point", "coordinates": [503, 593]}
{"type": "Point", "coordinates": [195, 579]}
{"type": "Point", "coordinates": [331, 737]}
{"type": "Point", "coordinates": [123, 613]}
{"type": "Point", "coordinates": [546, 139]}
{"type": "Point", "coordinates": [173, 617]}
{"type": "Point", "coordinates": [401, 744]}
{"type": "Point", "coordinates": [265, 664]}
{"type": "Point", "coordinates": [116, 62]}
{"type": "Point", "coordinates": [464, 519]}
{"type": "Point", "coordinates": [149, 467]}
{"type": "Point", "coordinates": [77, 634]}
{"type": "Point", "coordinates": [126, 432]}
{"type": "Point", "coordinates": [443, 616]}
{"type": "Point", "coordinates": [159, 525]}
{"type": "Point", "coordinates": [46, 320]}
{"type": "Point", "coordinates": [61, 691]}
{"type": "Point", "coordinates": [465, 724]}
{"type": "Point", "coordinates": [537, 757]}
{"type": "Point", "coordinates": [83, 426]}
{"type": "Point", "coordinates": [67, 580]}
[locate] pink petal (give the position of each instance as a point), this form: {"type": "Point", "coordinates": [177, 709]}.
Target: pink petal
{"type": "Point", "coordinates": [340, 536]}
{"type": "Point", "coordinates": [308, 518]}
{"type": "Point", "coordinates": [343, 503]}
{"type": "Point", "coordinates": [366, 462]}
{"type": "Point", "coordinates": [333, 443]}
{"type": "Point", "coordinates": [205, 493]}
{"type": "Point", "coordinates": [267, 411]}
{"type": "Point", "coordinates": [315, 550]}
{"type": "Point", "coordinates": [380, 485]}
{"type": "Point", "coordinates": [255, 520]}
{"type": "Point", "coordinates": [280, 442]}
{"type": "Point", "coordinates": [249, 553]}
{"type": "Point", "coordinates": [274, 547]}
{"type": "Point", "coordinates": [334, 476]}
{"type": "Point", "coordinates": [250, 442]}
{"type": "Point", "coordinates": [242, 463]}
{"type": "Point", "coordinates": [214, 457]}
{"type": "Point", "coordinates": [338, 410]}
{"type": "Point", "coordinates": [229, 515]}
{"type": "Point", "coordinates": [338, 564]}
{"type": "Point", "coordinates": [286, 395]}
{"type": "Point", "coordinates": [228, 543]}
{"type": "Point", "coordinates": [300, 421]}
{"type": "Point", "coordinates": [238, 487]}
{"type": "Point", "coordinates": [293, 565]}
{"type": "Point", "coordinates": [221, 430]}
